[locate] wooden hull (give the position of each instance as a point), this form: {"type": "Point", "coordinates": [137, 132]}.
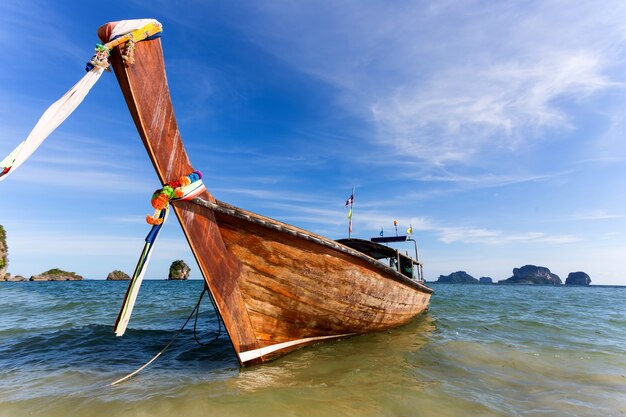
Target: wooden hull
{"type": "Point", "coordinates": [276, 287]}
{"type": "Point", "coordinates": [300, 288]}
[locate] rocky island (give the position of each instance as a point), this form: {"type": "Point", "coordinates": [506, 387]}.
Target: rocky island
{"type": "Point", "coordinates": [56, 274]}
{"type": "Point", "coordinates": [8, 277]}
{"type": "Point", "coordinates": [532, 275]}
{"type": "Point", "coordinates": [117, 275]}
{"type": "Point", "coordinates": [179, 270]}
{"type": "Point", "coordinates": [459, 277]}
{"type": "Point", "coordinates": [578, 278]}
{"type": "Point", "coordinates": [485, 280]}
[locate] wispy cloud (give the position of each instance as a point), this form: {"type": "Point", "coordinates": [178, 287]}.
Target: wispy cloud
{"type": "Point", "coordinates": [27, 18]}
{"type": "Point", "coordinates": [598, 215]}
{"type": "Point", "coordinates": [435, 85]}
{"type": "Point", "coordinates": [75, 177]}
{"type": "Point", "coordinates": [272, 196]}
{"type": "Point", "coordinates": [497, 237]}
{"type": "Point", "coordinates": [480, 181]}
{"type": "Point", "coordinates": [454, 115]}
{"type": "Point", "coordinates": [81, 162]}
{"type": "Point", "coordinates": [332, 219]}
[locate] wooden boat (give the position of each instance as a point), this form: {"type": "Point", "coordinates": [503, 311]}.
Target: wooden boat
{"type": "Point", "coordinates": [276, 287]}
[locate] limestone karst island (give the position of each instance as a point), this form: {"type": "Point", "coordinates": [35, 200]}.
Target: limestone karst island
{"type": "Point", "coordinates": [526, 275]}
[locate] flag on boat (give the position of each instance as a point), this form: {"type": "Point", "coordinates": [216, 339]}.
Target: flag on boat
{"type": "Point", "coordinates": [350, 203]}
{"type": "Point", "coordinates": [381, 232]}
{"type": "Point", "coordinates": [409, 231]}
{"type": "Point", "coordinates": [350, 199]}
{"type": "Point", "coordinates": [350, 225]}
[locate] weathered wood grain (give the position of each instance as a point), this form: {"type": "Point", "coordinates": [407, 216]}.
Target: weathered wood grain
{"type": "Point", "coordinates": [297, 289]}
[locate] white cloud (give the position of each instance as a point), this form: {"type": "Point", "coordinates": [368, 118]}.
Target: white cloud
{"type": "Point", "coordinates": [455, 82]}
{"type": "Point", "coordinates": [499, 237]}
{"type": "Point", "coordinates": [454, 115]}
{"type": "Point", "coordinates": [269, 195]}
{"type": "Point", "coordinates": [21, 24]}
{"type": "Point", "coordinates": [372, 220]}
{"type": "Point", "coordinates": [598, 215]}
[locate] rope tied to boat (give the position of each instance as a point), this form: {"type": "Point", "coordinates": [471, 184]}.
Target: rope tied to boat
{"type": "Point", "coordinates": [128, 55]}
{"type": "Point", "coordinates": [100, 59]}
{"type": "Point", "coordinates": [196, 311]}
{"type": "Point", "coordinates": [184, 188]}
{"type": "Point", "coordinates": [118, 34]}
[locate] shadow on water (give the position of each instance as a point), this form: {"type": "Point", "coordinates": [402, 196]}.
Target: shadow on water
{"type": "Point", "coordinates": [93, 346]}
{"type": "Point", "coordinates": [82, 360]}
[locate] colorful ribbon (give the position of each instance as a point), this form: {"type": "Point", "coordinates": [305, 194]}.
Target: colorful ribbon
{"type": "Point", "coordinates": [185, 188]}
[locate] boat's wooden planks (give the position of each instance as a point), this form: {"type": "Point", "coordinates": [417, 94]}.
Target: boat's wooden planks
{"type": "Point", "coordinates": [266, 222]}
{"type": "Point", "coordinates": [295, 289]}
{"type": "Point", "coordinates": [147, 95]}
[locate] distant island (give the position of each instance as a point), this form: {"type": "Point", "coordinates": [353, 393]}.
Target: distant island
{"type": "Point", "coordinates": [8, 277]}
{"type": "Point", "coordinates": [578, 278]}
{"type": "Point", "coordinates": [525, 275]}
{"type": "Point", "coordinates": [56, 274]}
{"type": "Point", "coordinates": [532, 275]}
{"type": "Point", "coordinates": [179, 270]}
{"type": "Point", "coordinates": [458, 277]}
{"type": "Point", "coordinates": [117, 275]}
{"type": "Point", "coordinates": [462, 277]}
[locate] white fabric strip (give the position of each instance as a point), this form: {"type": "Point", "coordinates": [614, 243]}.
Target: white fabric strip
{"type": "Point", "coordinates": [129, 303]}
{"type": "Point", "coordinates": [62, 108]}
{"type": "Point", "coordinates": [257, 353]}
{"type": "Point", "coordinates": [50, 120]}
{"type": "Point", "coordinates": [135, 283]}
{"type": "Point", "coordinates": [126, 26]}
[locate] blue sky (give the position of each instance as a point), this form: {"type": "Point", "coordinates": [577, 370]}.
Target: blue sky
{"type": "Point", "coordinates": [496, 130]}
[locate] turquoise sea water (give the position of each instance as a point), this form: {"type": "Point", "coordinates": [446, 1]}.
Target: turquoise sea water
{"type": "Point", "coordinates": [479, 351]}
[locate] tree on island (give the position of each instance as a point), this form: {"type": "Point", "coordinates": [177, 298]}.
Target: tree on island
{"type": "Point", "coordinates": [4, 252]}
{"type": "Point", "coordinates": [179, 270]}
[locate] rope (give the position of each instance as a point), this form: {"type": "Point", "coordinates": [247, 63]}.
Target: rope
{"type": "Point", "coordinates": [195, 310]}
{"type": "Point", "coordinates": [219, 321]}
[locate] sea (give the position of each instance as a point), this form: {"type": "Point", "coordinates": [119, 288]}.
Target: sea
{"type": "Point", "coordinates": [480, 350]}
